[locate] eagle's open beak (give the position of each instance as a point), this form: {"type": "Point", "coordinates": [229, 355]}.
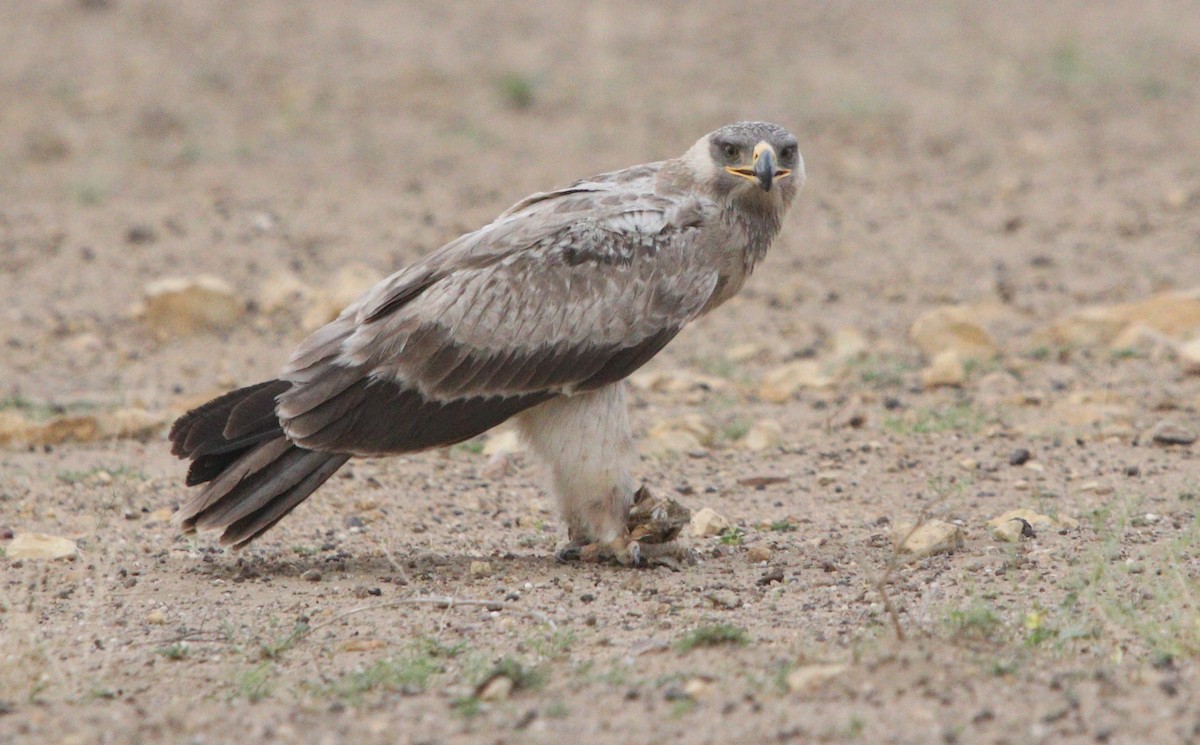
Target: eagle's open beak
{"type": "Point", "coordinates": [763, 169]}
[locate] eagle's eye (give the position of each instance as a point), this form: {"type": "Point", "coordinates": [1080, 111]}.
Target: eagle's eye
{"type": "Point", "coordinates": [730, 150]}
{"type": "Point", "coordinates": [788, 152]}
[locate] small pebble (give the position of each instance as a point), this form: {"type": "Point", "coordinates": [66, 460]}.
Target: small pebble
{"type": "Point", "coordinates": [1019, 457]}
{"type": "Point", "coordinates": [758, 553]}
{"type": "Point", "coordinates": [1172, 434]}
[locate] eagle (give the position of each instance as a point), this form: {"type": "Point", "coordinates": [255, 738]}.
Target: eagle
{"type": "Point", "coordinates": [537, 317]}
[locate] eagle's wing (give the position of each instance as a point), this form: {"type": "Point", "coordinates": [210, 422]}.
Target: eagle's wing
{"type": "Point", "coordinates": [567, 291]}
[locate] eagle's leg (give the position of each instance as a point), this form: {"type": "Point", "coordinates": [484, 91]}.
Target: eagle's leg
{"type": "Point", "coordinates": [586, 440]}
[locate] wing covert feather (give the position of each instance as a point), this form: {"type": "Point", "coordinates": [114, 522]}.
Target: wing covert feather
{"type": "Point", "coordinates": [567, 291]}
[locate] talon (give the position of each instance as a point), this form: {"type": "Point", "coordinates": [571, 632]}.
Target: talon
{"type": "Point", "coordinates": [594, 553]}
{"type": "Point", "coordinates": [631, 555]}
{"type": "Point", "coordinates": [569, 553]}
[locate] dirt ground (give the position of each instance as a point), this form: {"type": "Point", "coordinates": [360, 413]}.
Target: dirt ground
{"type": "Point", "coordinates": [1023, 160]}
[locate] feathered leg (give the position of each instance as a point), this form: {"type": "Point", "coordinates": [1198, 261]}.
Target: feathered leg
{"type": "Point", "coordinates": [586, 440]}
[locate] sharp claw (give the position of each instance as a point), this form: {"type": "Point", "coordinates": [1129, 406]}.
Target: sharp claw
{"type": "Point", "coordinates": [568, 554]}
{"type": "Point", "coordinates": [633, 553]}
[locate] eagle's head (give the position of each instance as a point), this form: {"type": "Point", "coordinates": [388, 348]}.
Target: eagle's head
{"type": "Point", "coordinates": [754, 163]}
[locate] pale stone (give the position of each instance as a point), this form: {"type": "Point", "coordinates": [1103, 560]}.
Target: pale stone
{"type": "Point", "coordinates": [781, 383]}
{"type": "Point", "coordinates": [284, 291]}
{"type": "Point", "coordinates": [758, 553]}
{"type": "Point", "coordinates": [41, 546]}
{"type": "Point", "coordinates": [763, 434]}
{"type": "Point", "coordinates": [809, 678]}
{"type": "Point", "coordinates": [946, 370]}
{"type": "Point", "coordinates": [707, 522]}
{"type": "Point", "coordinates": [156, 617]}
{"type": "Point", "coordinates": [676, 381]}
{"type": "Point", "coordinates": [84, 343]}
{"type": "Point", "coordinates": [953, 328]}
{"type": "Point", "coordinates": [481, 568]}
{"type": "Point", "coordinates": [745, 352]}
{"type": "Point", "coordinates": [849, 344]}
{"type": "Point", "coordinates": [131, 423]}
{"type": "Point", "coordinates": [186, 305]}
{"type": "Point", "coordinates": [1008, 527]}
{"type": "Point", "coordinates": [683, 434]}
{"type": "Point", "coordinates": [498, 688]}
{"type": "Point", "coordinates": [698, 688]}
{"type": "Point", "coordinates": [1173, 314]}
{"type": "Point", "coordinates": [1189, 356]}
{"type": "Point", "coordinates": [929, 538]}
{"type": "Point", "coordinates": [15, 428]}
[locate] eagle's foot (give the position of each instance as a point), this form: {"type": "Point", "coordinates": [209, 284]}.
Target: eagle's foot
{"type": "Point", "coordinates": [672, 555]}
{"type": "Point", "coordinates": [621, 551]}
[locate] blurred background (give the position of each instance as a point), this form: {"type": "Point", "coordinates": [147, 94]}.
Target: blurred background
{"type": "Point", "coordinates": [1046, 149]}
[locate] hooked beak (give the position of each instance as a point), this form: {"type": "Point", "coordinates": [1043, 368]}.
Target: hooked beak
{"type": "Point", "coordinates": [763, 169]}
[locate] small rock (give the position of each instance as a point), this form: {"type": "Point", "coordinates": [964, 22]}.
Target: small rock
{"type": "Point", "coordinates": [931, 537]}
{"type": "Point", "coordinates": [1189, 356]}
{"type": "Point", "coordinates": [363, 645]}
{"type": "Point", "coordinates": [140, 234]}
{"type": "Point", "coordinates": [774, 575]}
{"type": "Point", "coordinates": [83, 343]}
{"type": "Point", "coordinates": [809, 678]}
{"type": "Point", "coordinates": [707, 522]}
{"type": "Point", "coordinates": [284, 291]}
{"type": "Point", "coordinates": [745, 352]}
{"type": "Point", "coordinates": [945, 371]}
{"type": "Point", "coordinates": [41, 546]}
{"type": "Point", "coordinates": [1169, 433]}
{"type": "Point", "coordinates": [953, 329]}
{"type": "Point", "coordinates": [131, 424]}
{"type": "Point", "coordinates": [758, 553]}
{"type": "Point", "coordinates": [763, 434]}
{"type": "Point", "coordinates": [779, 385]}
{"type": "Point", "coordinates": [679, 435]}
{"type": "Point", "coordinates": [698, 688]}
{"type": "Point", "coordinates": [481, 569]}
{"type": "Point", "coordinates": [186, 305]}
{"type": "Point", "coordinates": [849, 344]}
{"type": "Point", "coordinates": [676, 382]}
{"type": "Point", "coordinates": [1173, 314]}
{"type": "Point", "coordinates": [312, 575]}
{"type": "Point", "coordinates": [1010, 526]}
{"type": "Point", "coordinates": [726, 599]}
{"type": "Point", "coordinates": [1019, 457]}
{"type": "Point", "coordinates": [496, 688]}
{"type": "Point", "coordinates": [156, 618]}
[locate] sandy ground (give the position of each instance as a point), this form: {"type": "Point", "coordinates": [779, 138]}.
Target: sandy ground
{"type": "Point", "coordinates": [1022, 160]}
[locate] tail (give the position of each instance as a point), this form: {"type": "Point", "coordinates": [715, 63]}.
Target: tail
{"type": "Point", "coordinates": [254, 474]}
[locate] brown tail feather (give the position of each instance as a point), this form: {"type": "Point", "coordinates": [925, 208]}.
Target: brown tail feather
{"type": "Point", "coordinates": [255, 474]}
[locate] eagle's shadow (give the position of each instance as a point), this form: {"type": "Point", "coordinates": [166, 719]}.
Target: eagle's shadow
{"type": "Point", "coordinates": [400, 568]}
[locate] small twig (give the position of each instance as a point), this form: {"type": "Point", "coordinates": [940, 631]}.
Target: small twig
{"type": "Point", "coordinates": [880, 583]}
{"type": "Point", "coordinates": [392, 561]}
{"type": "Point", "coordinates": [441, 602]}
